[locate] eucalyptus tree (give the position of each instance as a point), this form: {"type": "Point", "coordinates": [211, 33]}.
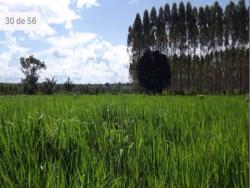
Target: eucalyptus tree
{"type": "Point", "coordinates": [189, 25]}
{"type": "Point", "coordinates": [181, 28]}
{"type": "Point", "coordinates": [227, 22]}
{"type": "Point", "coordinates": [174, 67]}
{"type": "Point", "coordinates": [30, 67]}
{"type": "Point", "coordinates": [210, 30]}
{"type": "Point", "coordinates": [203, 32]}
{"type": "Point", "coordinates": [182, 39]}
{"type": "Point", "coordinates": [146, 30]}
{"type": "Point", "coordinates": [233, 21]}
{"type": "Point", "coordinates": [195, 30]}
{"type": "Point", "coordinates": [173, 41]}
{"type": "Point", "coordinates": [174, 28]}
{"type": "Point", "coordinates": [217, 20]}
{"type": "Point", "coordinates": [130, 37]}
{"type": "Point", "coordinates": [242, 39]}
{"type": "Point", "coordinates": [135, 39]}
{"type": "Point", "coordinates": [230, 36]}
{"type": "Point", "coordinates": [218, 25]}
{"type": "Point", "coordinates": [221, 35]}
{"type": "Point", "coordinates": [190, 33]}
{"type": "Point", "coordinates": [242, 21]}
{"type": "Point", "coordinates": [137, 35]}
{"type": "Point", "coordinates": [153, 27]}
{"type": "Point", "coordinates": [167, 18]}
{"type": "Point", "coordinates": [161, 31]}
{"type": "Point", "coordinates": [203, 39]}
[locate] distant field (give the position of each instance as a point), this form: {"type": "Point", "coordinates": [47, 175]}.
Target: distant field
{"type": "Point", "coordinates": [123, 141]}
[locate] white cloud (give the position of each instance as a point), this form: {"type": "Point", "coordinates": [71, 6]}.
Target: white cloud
{"type": "Point", "coordinates": [12, 45]}
{"type": "Point", "coordinates": [53, 11]}
{"type": "Point", "coordinates": [9, 59]}
{"type": "Point", "coordinates": [72, 40]}
{"type": "Point", "coordinates": [86, 3]}
{"type": "Point", "coordinates": [86, 59]}
{"type": "Point", "coordinates": [45, 30]}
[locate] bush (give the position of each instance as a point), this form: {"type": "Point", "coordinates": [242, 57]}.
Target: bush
{"type": "Point", "coordinates": [49, 86]}
{"type": "Point", "coordinates": [68, 85]}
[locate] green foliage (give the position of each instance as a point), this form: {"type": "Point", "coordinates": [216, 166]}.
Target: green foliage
{"type": "Point", "coordinates": [30, 67]}
{"type": "Point", "coordinates": [49, 86]}
{"type": "Point", "coordinates": [10, 89]}
{"type": "Point", "coordinates": [68, 85]}
{"type": "Point", "coordinates": [160, 31]}
{"type": "Point", "coordinates": [123, 141]}
{"type": "Point", "coordinates": [146, 30]}
{"type": "Point", "coordinates": [153, 72]}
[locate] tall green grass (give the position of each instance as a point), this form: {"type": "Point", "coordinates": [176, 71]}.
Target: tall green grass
{"type": "Point", "coordinates": [123, 141]}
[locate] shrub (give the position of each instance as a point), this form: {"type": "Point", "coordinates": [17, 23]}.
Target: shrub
{"type": "Point", "coordinates": [49, 86]}
{"type": "Point", "coordinates": [68, 85]}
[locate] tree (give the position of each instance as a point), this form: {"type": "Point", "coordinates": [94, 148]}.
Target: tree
{"type": "Point", "coordinates": [218, 21]}
{"type": "Point", "coordinates": [189, 24]}
{"type": "Point", "coordinates": [173, 28]}
{"type": "Point", "coordinates": [242, 21]}
{"type": "Point", "coordinates": [227, 21]}
{"type": "Point", "coordinates": [167, 18]}
{"type": "Point", "coordinates": [153, 72]}
{"type": "Point", "coordinates": [30, 67]}
{"type": "Point", "coordinates": [192, 36]}
{"type": "Point", "coordinates": [153, 26]}
{"type": "Point", "coordinates": [48, 86]}
{"type": "Point", "coordinates": [68, 85]}
{"type": "Point", "coordinates": [209, 34]}
{"type": "Point", "coordinates": [232, 21]}
{"type": "Point", "coordinates": [135, 41]}
{"type": "Point", "coordinates": [181, 41]}
{"type": "Point", "coordinates": [220, 35]}
{"type": "Point", "coordinates": [230, 38]}
{"type": "Point", "coordinates": [173, 64]}
{"type": "Point", "coordinates": [146, 30]}
{"type": "Point", "coordinates": [202, 24]}
{"type": "Point", "coordinates": [218, 11]}
{"type": "Point", "coordinates": [137, 36]}
{"type": "Point", "coordinates": [130, 37]}
{"type": "Point", "coordinates": [160, 32]}
{"type": "Point", "coordinates": [181, 28]}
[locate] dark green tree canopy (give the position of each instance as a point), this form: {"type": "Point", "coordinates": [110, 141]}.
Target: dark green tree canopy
{"type": "Point", "coordinates": [153, 72]}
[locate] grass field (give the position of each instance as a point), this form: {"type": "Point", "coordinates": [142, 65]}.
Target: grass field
{"type": "Point", "coordinates": [123, 141]}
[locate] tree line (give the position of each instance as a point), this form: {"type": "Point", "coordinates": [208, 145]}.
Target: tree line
{"type": "Point", "coordinates": [207, 47]}
{"type": "Point", "coordinates": [31, 68]}
{"type": "Point", "coordinates": [78, 89]}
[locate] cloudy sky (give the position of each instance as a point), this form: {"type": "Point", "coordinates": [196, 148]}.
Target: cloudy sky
{"type": "Point", "coordinates": [81, 39]}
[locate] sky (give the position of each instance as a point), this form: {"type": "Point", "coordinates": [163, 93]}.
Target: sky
{"type": "Point", "coordinates": [81, 39]}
